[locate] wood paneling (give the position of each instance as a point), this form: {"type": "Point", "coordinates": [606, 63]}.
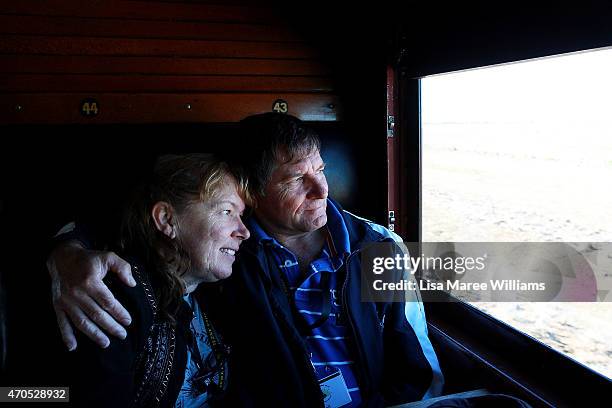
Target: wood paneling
{"type": "Point", "coordinates": [117, 28]}
{"type": "Point", "coordinates": [155, 83]}
{"type": "Point", "coordinates": [160, 108]}
{"type": "Point", "coordinates": [146, 10]}
{"type": "Point", "coordinates": [144, 60]}
{"type": "Point", "coordinates": [159, 65]}
{"type": "Point", "coordinates": [34, 44]}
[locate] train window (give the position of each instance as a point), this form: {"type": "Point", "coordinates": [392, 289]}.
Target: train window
{"type": "Point", "coordinates": [523, 152]}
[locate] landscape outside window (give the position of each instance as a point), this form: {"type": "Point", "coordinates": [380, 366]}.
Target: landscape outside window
{"type": "Point", "coordinates": [522, 152]}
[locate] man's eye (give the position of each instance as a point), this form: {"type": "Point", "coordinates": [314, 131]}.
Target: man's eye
{"type": "Point", "coordinates": [227, 212]}
{"type": "Point", "coordinates": [321, 170]}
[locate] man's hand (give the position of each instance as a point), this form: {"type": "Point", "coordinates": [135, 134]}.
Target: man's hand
{"type": "Point", "coordinates": [80, 295]}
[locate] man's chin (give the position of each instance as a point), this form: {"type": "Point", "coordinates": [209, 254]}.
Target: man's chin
{"type": "Point", "coordinates": [317, 222]}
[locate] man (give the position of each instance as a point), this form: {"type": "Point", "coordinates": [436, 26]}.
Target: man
{"type": "Point", "coordinates": [292, 309]}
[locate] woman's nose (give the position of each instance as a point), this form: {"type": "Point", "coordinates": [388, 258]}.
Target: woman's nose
{"type": "Point", "coordinates": [241, 231]}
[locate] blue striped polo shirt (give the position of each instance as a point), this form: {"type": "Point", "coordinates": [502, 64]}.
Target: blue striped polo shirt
{"type": "Point", "coordinates": [328, 343]}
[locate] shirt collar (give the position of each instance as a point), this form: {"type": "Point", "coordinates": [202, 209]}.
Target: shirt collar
{"type": "Point", "coordinates": [335, 224]}
{"type": "Point", "coordinates": [258, 234]}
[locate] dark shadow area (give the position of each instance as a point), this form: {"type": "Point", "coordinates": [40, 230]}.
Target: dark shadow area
{"type": "Point", "coordinates": [52, 174]}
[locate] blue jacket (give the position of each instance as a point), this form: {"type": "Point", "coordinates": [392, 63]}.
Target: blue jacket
{"type": "Point", "coordinates": [270, 365]}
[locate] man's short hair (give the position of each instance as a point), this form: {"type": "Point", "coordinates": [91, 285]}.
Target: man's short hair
{"type": "Point", "coordinates": [269, 139]}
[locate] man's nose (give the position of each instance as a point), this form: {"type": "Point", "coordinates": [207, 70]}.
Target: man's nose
{"type": "Point", "coordinates": [317, 188]}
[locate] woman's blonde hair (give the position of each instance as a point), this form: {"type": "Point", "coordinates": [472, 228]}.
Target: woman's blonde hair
{"type": "Point", "coordinates": [179, 180]}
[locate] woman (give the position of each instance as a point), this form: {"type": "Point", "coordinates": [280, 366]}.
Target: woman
{"type": "Point", "coordinates": [181, 229]}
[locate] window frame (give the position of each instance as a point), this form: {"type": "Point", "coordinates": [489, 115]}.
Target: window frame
{"type": "Point", "coordinates": [503, 357]}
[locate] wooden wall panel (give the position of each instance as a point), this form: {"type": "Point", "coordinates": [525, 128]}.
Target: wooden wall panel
{"type": "Point", "coordinates": [77, 64]}
{"type": "Point", "coordinates": [155, 83]}
{"type": "Point", "coordinates": [235, 58]}
{"type": "Point", "coordinates": [132, 28]}
{"type": "Point", "coordinates": [148, 10]}
{"type": "Point", "coordinates": [37, 45]}
{"type": "Point", "coordinates": [160, 108]}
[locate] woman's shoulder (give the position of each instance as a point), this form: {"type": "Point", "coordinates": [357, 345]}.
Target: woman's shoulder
{"type": "Point", "coordinates": [116, 367]}
{"type": "Point", "coordinates": [138, 300]}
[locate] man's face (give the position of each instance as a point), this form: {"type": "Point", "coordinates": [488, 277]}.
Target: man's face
{"type": "Point", "coordinates": [294, 200]}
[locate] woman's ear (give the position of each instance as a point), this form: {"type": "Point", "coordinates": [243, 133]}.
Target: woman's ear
{"type": "Point", "coordinates": [164, 218]}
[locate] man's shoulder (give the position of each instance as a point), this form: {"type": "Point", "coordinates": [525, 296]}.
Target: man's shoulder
{"type": "Point", "coordinates": [385, 232]}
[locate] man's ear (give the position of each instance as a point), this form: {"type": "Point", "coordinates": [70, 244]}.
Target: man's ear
{"type": "Point", "coordinates": [164, 218]}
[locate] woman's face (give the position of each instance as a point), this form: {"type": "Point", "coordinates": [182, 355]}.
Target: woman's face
{"type": "Point", "coordinates": [211, 232]}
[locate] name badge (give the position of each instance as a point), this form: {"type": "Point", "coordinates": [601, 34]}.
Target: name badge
{"type": "Point", "coordinates": [334, 390]}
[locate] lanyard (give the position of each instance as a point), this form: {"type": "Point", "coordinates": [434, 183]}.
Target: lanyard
{"type": "Point", "coordinates": [303, 327]}
{"type": "Point", "coordinates": [325, 303]}
{"type": "Point", "coordinates": [215, 347]}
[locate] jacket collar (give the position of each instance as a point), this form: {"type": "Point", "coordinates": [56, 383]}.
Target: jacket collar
{"type": "Point", "coordinates": [358, 230]}
{"type": "Point", "coordinates": [336, 226]}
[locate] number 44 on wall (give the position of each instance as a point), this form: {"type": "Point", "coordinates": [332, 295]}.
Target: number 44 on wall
{"type": "Point", "coordinates": [90, 107]}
